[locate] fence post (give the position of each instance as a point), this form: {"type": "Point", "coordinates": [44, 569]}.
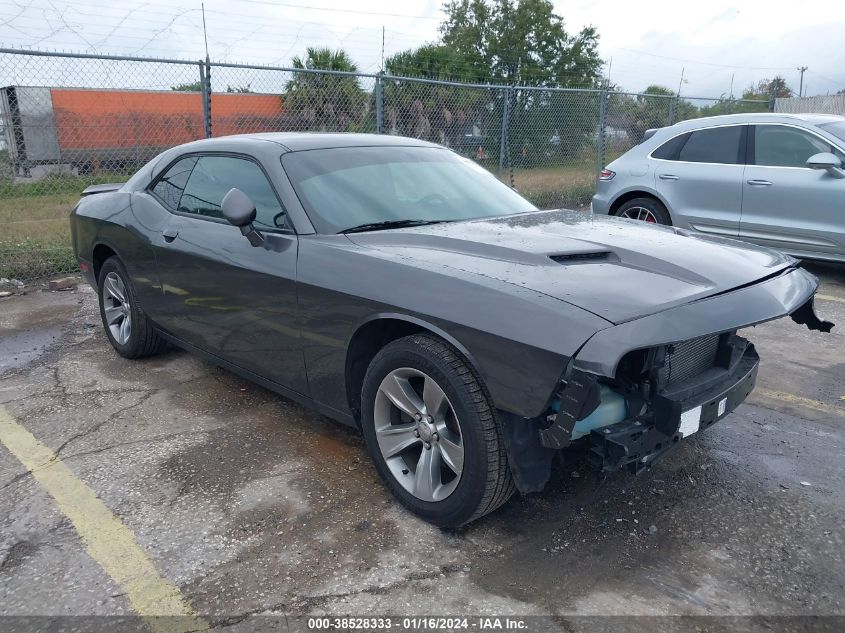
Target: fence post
{"type": "Point", "coordinates": [603, 96]}
{"type": "Point", "coordinates": [503, 141]}
{"type": "Point", "coordinates": [673, 103]}
{"type": "Point", "coordinates": [379, 104]}
{"type": "Point", "coordinates": [772, 102]}
{"type": "Point", "coordinates": [205, 90]}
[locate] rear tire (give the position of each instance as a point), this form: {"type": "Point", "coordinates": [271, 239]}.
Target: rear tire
{"type": "Point", "coordinates": [463, 436]}
{"type": "Point", "coordinates": [129, 331]}
{"type": "Point", "coordinates": [646, 210]}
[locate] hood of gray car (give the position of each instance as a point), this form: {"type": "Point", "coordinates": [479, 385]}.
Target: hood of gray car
{"type": "Point", "coordinates": [617, 269]}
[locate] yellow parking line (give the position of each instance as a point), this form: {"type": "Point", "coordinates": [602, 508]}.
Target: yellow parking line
{"type": "Point", "coordinates": [791, 398]}
{"type": "Point", "coordinates": [830, 298]}
{"type": "Point", "coordinates": [106, 538]}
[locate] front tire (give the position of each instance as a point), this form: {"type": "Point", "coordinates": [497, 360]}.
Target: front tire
{"type": "Point", "coordinates": [433, 433]}
{"type": "Point", "coordinates": [646, 210]}
{"type": "Point", "coordinates": [129, 331]}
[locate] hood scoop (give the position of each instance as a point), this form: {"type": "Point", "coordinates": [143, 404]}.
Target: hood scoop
{"type": "Point", "coordinates": [582, 258]}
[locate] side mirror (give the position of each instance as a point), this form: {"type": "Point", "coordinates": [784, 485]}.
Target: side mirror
{"type": "Point", "coordinates": [827, 161]}
{"type": "Point", "coordinates": [239, 210]}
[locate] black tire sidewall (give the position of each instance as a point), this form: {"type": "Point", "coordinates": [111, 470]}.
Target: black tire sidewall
{"type": "Point", "coordinates": [655, 206]}
{"type": "Point", "coordinates": [459, 506]}
{"type": "Point", "coordinates": [130, 349]}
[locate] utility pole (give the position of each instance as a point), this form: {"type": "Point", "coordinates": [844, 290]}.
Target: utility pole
{"type": "Point", "coordinates": [801, 70]}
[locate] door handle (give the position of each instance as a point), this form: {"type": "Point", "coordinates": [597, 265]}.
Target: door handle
{"type": "Point", "coordinates": [669, 177]}
{"type": "Point", "coordinates": [169, 235]}
{"type": "Point", "coordinates": [759, 183]}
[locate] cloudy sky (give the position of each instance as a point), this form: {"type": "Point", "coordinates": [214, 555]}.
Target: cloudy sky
{"type": "Point", "coordinates": [713, 43]}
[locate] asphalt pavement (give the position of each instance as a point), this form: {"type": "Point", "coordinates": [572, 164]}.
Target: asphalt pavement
{"type": "Point", "coordinates": [230, 501]}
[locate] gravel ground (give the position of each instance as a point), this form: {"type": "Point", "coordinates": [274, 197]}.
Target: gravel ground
{"type": "Point", "coordinates": [252, 504]}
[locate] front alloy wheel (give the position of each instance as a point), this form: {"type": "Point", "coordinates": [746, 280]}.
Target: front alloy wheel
{"type": "Point", "coordinates": [433, 433]}
{"type": "Point", "coordinates": [419, 434]}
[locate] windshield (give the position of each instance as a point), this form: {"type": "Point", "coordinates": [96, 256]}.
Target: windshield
{"type": "Point", "coordinates": [342, 188]}
{"type": "Point", "coordinates": [837, 129]}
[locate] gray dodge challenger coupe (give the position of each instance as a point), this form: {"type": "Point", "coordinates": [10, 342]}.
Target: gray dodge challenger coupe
{"type": "Point", "coordinates": [402, 289]}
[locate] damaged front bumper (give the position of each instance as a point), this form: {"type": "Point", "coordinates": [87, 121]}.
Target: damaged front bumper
{"type": "Point", "coordinates": [636, 443]}
{"type": "Point", "coordinates": [663, 414]}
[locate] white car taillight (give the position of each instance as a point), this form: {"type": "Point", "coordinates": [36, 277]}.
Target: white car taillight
{"type": "Point", "coordinates": [606, 174]}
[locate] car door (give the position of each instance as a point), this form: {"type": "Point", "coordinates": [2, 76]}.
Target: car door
{"type": "Point", "coordinates": [787, 205]}
{"type": "Point", "coordinates": [700, 176]}
{"type": "Point", "coordinates": [220, 293]}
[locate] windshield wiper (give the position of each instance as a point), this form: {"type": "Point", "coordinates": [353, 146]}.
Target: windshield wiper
{"type": "Point", "coordinates": [390, 224]}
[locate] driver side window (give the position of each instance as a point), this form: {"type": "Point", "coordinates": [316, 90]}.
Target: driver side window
{"type": "Point", "coordinates": [211, 179]}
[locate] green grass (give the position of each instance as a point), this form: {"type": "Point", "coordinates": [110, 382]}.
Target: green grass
{"type": "Point", "coordinates": [34, 223]}
{"type": "Point", "coordinates": [35, 235]}
{"type": "Point", "coordinates": [570, 186]}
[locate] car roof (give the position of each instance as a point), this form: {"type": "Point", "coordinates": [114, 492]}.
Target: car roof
{"type": "Point", "coordinates": [759, 117]}
{"type": "Point", "coordinates": [300, 141]}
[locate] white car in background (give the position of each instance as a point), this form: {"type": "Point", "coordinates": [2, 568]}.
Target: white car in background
{"type": "Point", "coordinates": [773, 179]}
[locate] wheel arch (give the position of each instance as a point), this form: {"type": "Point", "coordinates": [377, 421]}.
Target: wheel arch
{"type": "Point", "coordinates": [100, 253]}
{"type": "Point", "coordinates": [376, 332]}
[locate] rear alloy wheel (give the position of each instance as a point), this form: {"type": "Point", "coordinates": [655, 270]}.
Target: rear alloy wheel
{"type": "Point", "coordinates": [127, 327]}
{"type": "Point", "coordinates": [645, 210]}
{"type": "Point", "coordinates": [117, 309]}
{"type": "Point", "coordinates": [432, 432]}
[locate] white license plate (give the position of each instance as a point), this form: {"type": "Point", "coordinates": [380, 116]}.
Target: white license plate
{"type": "Point", "coordinates": [690, 421]}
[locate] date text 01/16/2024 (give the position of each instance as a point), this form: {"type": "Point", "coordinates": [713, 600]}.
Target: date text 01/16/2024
{"type": "Point", "coordinates": [418, 623]}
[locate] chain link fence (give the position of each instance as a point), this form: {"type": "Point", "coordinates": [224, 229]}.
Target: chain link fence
{"type": "Point", "coordinates": [822, 104]}
{"type": "Point", "coordinates": [73, 120]}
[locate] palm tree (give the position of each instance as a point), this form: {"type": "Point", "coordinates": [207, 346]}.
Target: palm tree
{"type": "Point", "coordinates": [325, 102]}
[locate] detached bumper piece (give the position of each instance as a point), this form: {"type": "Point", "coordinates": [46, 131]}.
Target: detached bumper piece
{"type": "Point", "coordinates": [806, 315]}
{"type": "Point", "coordinates": [637, 443]}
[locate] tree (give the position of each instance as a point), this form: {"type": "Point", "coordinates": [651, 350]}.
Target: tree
{"type": "Point", "coordinates": [525, 42]}
{"type": "Point", "coordinates": [755, 98]}
{"type": "Point", "coordinates": [431, 61]}
{"type": "Point", "coordinates": [767, 88]}
{"type": "Point", "coordinates": [191, 87]}
{"type": "Point", "coordinates": [442, 113]}
{"type": "Point", "coordinates": [195, 87]}
{"type": "Point", "coordinates": [656, 107]}
{"type": "Point", "coordinates": [325, 102]}
{"type": "Point", "coordinates": [520, 41]}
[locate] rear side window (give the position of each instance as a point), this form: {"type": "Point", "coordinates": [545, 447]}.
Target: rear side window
{"type": "Point", "coordinates": [714, 145]}
{"type": "Point", "coordinates": [669, 150]}
{"type": "Point", "coordinates": [213, 177]}
{"type": "Point", "coordinates": [783, 146]}
{"type": "Point", "coordinates": [169, 188]}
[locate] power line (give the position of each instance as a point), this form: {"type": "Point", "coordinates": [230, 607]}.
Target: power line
{"type": "Point", "coordinates": [689, 61]}
{"type": "Point", "coordinates": [837, 82]}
